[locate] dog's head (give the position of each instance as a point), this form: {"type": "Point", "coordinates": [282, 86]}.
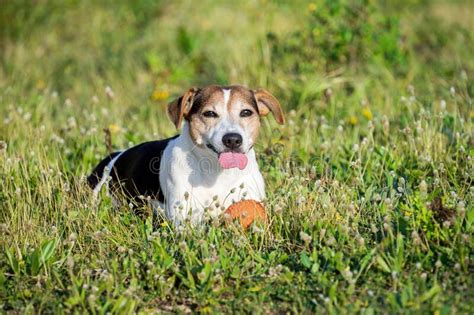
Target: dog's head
{"type": "Point", "coordinates": [224, 119]}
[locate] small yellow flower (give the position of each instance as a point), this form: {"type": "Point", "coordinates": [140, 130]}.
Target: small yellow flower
{"type": "Point", "coordinates": [312, 7]}
{"type": "Point", "coordinates": [353, 120]}
{"type": "Point", "coordinates": [338, 217]}
{"type": "Point", "coordinates": [164, 224]}
{"type": "Point", "coordinates": [114, 128]}
{"type": "Point", "coordinates": [40, 84]}
{"type": "Point", "coordinates": [367, 113]}
{"type": "Point", "coordinates": [159, 95]}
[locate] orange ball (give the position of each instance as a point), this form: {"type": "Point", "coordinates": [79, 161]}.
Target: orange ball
{"type": "Point", "coordinates": [246, 211]}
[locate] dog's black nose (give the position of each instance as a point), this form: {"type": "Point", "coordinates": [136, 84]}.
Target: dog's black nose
{"type": "Point", "coordinates": [232, 140]}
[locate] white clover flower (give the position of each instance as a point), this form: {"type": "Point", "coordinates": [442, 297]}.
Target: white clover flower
{"type": "Point", "coordinates": [71, 122]}
{"type": "Point", "coordinates": [91, 298]}
{"type": "Point", "coordinates": [351, 207]}
{"type": "Point", "coordinates": [347, 273]}
{"type": "Point", "coordinates": [109, 92]}
{"type": "Point", "coordinates": [72, 237]}
{"type": "Point", "coordinates": [306, 238]}
{"type": "Point", "coordinates": [97, 234]}
{"type": "Point", "coordinates": [70, 262]}
{"type": "Point", "coordinates": [461, 208]}
{"type": "Point", "coordinates": [331, 241]}
{"type": "Point", "coordinates": [278, 209]}
{"type": "Point", "coordinates": [423, 187]}
{"type": "Point", "coordinates": [322, 233]}
{"type": "Point", "coordinates": [325, 145]}
{"type": "Point", "coordinates": [374, 228]}
{"type": "Point", "coordinates": [442, 104]}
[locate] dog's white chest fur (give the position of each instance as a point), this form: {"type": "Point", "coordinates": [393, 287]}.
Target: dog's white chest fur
{"type": "Point", "coordinates": [194, 184]}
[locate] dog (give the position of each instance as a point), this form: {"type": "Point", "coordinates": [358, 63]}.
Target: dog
{"type": "Point", "coordinates": [207, 167]}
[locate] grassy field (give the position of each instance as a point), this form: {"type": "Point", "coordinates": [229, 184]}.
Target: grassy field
{"type": "Point", "coordinates": [369, 184]}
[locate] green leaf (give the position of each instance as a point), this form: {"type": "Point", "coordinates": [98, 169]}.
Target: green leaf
{"type": "Point", "coordinates": [305, 261]}
{"type": "Point", "coordinates": [35, 262]}
{"type": "Point", "coordinates": [47, 251]}
{"type": "Point", "coordinates": [365, 261]}
{"type": "Point", "coordinates": [383, 264]}
{"type": "Point", "coordinates": [431, 293]}
{"type": "Point", "coordinates": [12, 261]}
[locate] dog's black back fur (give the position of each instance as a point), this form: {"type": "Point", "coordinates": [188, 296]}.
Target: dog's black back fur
{"type": "Point", "coordinates": [136, 172]}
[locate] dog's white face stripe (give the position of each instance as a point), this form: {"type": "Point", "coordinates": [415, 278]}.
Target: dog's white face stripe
{"type": "Point", "coordinates": [226, 97]}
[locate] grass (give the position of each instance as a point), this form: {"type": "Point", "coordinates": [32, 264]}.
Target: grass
{"type": "Point", "coordinates": [370, 183]}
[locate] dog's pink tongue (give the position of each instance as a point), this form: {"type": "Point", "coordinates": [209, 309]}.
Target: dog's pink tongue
{"type": "Point", "coordinates": [231, 159]}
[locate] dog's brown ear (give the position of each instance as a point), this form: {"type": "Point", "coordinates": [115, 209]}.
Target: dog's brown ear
{"type": "Point", "coordinates": [267, 103]}
{"type": "Point", "coordinates": [178, 108]}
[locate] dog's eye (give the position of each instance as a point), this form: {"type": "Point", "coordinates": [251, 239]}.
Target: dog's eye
{"type": "Point", "coordinates": [246, 113]}
{"type": "Point", "coordinates": [210, 114]}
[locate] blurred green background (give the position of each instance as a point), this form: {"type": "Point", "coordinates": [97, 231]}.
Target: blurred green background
{"type": "Point", "coordinates": [144, 46]}
{"type": "Point", "coordinates": [148, 52]}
